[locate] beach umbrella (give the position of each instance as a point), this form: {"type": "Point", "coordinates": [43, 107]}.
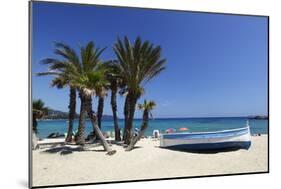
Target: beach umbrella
{"type": "Point", "coordinates": [183, 129]}
{"type": "Point", "coordinates": [170, 130]}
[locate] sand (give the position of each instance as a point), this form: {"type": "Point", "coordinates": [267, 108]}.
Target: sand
{"type": "Point", "coordinates": [60, 165]}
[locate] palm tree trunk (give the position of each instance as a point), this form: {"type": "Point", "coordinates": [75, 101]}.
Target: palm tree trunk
{"type": "Point", "coordinates": [93, 119]}
{"type": "Point", "coordinates": [131, 106]}
{"type": "Point", "coordinates": [99, 115]}
{"type": "Point", "coordinates": [72, 107]}
{"type": "Point", "coordinates": [126, 115]}
{"type": "Point", "coordinates": [100, 110]}
{"type": "Point", "coordinates": [114, 112]}
{"type": "Point", "coordinates": [141, 133]}
{"type": "Point", "coordinates": [80, 140]}
{"type": "Point", "coordinates": [34, 123]}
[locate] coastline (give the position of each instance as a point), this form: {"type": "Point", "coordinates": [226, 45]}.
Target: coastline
{"type": "Point", "coordinates": [45, 128]}
{"type": "Point", "coordinates": [146, 161]}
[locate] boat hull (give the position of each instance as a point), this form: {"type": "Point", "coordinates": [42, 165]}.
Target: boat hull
{"type": "Point", "coordinates": [236, 138]}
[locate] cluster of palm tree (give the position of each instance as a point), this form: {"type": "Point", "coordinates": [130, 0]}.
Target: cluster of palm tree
{"type": "Point", "coordinates": [147, 106]}
{"type": "Point", "coordinates": [88, 76]}
{"type": "Point", "coordinates": [38, 111]}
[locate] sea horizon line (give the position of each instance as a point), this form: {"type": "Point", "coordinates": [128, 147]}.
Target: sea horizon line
{"type": "Point", "coordinates": [200, 117]}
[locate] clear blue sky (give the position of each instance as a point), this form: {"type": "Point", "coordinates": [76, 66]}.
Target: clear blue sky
{"type": "Point", "coordinates": [216, 64]}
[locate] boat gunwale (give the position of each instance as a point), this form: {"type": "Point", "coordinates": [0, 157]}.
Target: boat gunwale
{"type": "Point", "coordinates": [208, 132]}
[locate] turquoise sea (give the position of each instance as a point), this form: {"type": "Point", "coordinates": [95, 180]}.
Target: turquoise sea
{"type": "Point", "coordinates": [45, 127]}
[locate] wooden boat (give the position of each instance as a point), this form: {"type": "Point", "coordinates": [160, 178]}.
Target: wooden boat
{"type": "Point", "coordinates": [234, 138]}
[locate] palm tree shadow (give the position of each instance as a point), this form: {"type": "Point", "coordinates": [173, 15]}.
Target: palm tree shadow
{"type": "Point", "coordinates": [101, 150]}
{"type": "Point", "coordinates": [137, 147]}
{"type": "Point", "coordinates": [64, 150]}
{"type": "Point", "coordinates": [119, 143]}
{"type": "Point", "coordinates": [122, 144]}
{"type": "Point", "coordinates": [215, 151]}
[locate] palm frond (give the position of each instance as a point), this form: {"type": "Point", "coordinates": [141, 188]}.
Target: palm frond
{"type": "Point", "coordinates": [138, 63]}
{"type": "Point", "coordinates": [47, 73]}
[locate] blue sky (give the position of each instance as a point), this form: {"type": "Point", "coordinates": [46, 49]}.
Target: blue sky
{"type": "Point", "coordinates": [216, 64]}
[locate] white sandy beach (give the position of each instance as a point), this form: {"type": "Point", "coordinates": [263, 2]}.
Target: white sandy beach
{"type": "Point", "coordinates": [147, 161]}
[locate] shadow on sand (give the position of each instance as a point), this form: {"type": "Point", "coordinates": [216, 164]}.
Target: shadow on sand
{"type": "Point", "coordinates": [70, 148]}
{"type": "Point", "coordinates": [119, 143]}
{"type": "Point", "coordinates": [64, 150]}
{"type": "Point", "coordinates": [214, 151]}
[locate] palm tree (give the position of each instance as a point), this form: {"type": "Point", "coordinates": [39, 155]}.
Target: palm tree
{"type": "Point", "coordinates": [146, 107]}
{"type": "Point", "coordinates": [90, 84]}
{"type": "Point", "coordinates": [60, 69]}
{"type": "Point", "coordinates": [90, 81]}
{"type": "Point", "coordinates": [100, 107]}
{"type": "Point", "coordinates": [87, 63]}
{"type": "Point", "coordinates": [38, 111]}
{"type": "Point", "coordinates": [115, 82]}
{"type": "Point", "coordinates": [138, 63]}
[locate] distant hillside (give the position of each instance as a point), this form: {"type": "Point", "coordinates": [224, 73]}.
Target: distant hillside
{"type": "Point", "coordinates": [56, 114]}
{"type": "Point", "coordinates": [258, 117]}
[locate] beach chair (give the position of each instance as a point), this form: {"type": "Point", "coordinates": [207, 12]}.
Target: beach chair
{"type": "Point", "coordinates": [156, 134]}
{"type": "Point", "coordinates": [35, 145]}
{"type": "Point", "coordinates": [108, 137]}
{"type": "Point", "coordinates": [112, 134]}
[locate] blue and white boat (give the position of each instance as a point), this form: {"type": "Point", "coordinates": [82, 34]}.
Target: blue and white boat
{"type": "Point", "coordinates": [234, 138]}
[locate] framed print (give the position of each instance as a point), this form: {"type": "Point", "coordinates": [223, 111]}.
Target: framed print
{"type": "Point", "coordinates": [126, 94]}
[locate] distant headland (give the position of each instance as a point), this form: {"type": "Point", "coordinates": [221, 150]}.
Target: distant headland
{"type": "Point", "coordinates": [258, 117]}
